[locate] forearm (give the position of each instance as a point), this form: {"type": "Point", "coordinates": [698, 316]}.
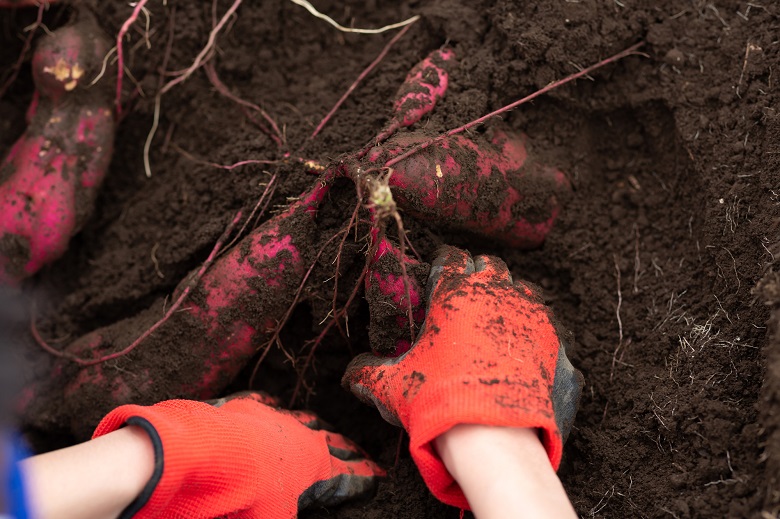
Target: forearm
{"type": "Point", "coordinates": [95, 479]}
{"type": "Point", "coordinates": [504, 472]}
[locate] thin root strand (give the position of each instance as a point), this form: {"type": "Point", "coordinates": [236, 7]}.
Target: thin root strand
{"type": "Point", "coordinates": [552, 86]}
{"type": "Point", "coordinates": [179, 301]}
{"type": "Point", "coordinates": [359, 79]}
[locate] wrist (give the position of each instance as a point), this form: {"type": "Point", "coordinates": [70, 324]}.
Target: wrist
{"type": "Point", "coordinates": [139, 459]}
{"type": "Point", "coordinates": [438, 406]}
{"type": "Point", "coordinates": [98, 478]}
{"type": "Point", "coordinates": [460, 446]}
{"type": "Point", "coordinates": [503, 468]}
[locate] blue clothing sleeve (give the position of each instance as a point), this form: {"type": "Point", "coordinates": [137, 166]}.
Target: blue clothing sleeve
{"type": "Point", "coordinates": [15, 450]}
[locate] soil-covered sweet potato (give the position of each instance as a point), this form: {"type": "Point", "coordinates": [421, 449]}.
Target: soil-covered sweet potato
{"type": "Point", "coordinates": [494, 189]}
{"type": "Point", "coordinates": [233, 310]}
{"type": "Point", "coordinates": [51, 175]}
{"type": "Point", "coordinates": [391, 298]}
{"type": "Point", "coordinates": [423, 87]}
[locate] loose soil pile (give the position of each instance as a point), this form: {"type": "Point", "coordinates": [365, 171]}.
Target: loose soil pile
{"type": "Point", "coordinates": [653, 265]}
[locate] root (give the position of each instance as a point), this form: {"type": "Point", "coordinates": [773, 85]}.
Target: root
{"type": "Point", "coordinates": [274, 133]}
{"type": "Point", "coordinates": [120, 58]}
{"type": "Point", "coordinates": [262, 205]}
{"type": "Point", "coordinates": [25, 49]}
{"type": "Point", "coordinates": [736, 273]}
{"type": "Point", "coordinates": [277, 331]}
{"type": "Point", "coordinates": [156, 262]}
{"type": "Point", "coordinates": [411, 248]}
{"type": "Point", "coordinates": [306, 5]}
{"type": "Point", "coordinates": [750, 47]}
{"type": "Point", "coordinates": [337, 260]}
{"type": "Point", "coordinates": [316, 342]}
{"type": "Point", "coordinates": [150, 136]}
{"type": "Point", "coordinates": [205, 52]}
{"type": "Point", "coordinates": [203, 56]}
{"type": "Point", "coordinates": [228, 167]}
{"type": "Point", "coordinates": [103, 68]}
{"type": "Point", "coordinates": [619, 320]}
{"type": "Point", "coordinates": [179, 301]}
{"type": "Point", "coordinates": [338, 256]}
{"type": "Point", "coordinates": [552, 86]}
{"type": "Point", "coordinates": [360, 78]}
{"type": "Point", "coordinates": [637, 261]}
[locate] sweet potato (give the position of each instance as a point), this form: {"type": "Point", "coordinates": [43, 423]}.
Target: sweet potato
{"type": "Point", "coordinates": [491, 188]}
{"type": "Point", "coordinates": [494, 189]}
{"type": "Point", "coordinates": [387, 296]}
{"type": "Point", "coordinates": [425, 84]}
{"type": "Point", "coordinates": [49, 179]}
{"type": "Point", "coordinates": [240, 300]}
{"type": "Point", "coordinates": [234, 309]}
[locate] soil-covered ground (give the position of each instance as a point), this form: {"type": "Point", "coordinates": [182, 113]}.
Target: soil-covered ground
{"type": "Point", "coordinates": [662, 263]}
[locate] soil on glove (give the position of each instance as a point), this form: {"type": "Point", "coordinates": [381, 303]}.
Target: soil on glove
{"type": "Point", "coordinates": [653, 265]}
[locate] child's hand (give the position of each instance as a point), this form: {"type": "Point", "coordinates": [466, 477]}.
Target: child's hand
{"type": "Point", "coordinates": [488, 354]}
{"type": "Point", "coordinates": [243, 456]}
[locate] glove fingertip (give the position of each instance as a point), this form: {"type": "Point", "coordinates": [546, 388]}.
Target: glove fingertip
{"type": "Point", "coordinates": [443, 252]}
{"type": "Point", "coordinates": [342, 447]}
{"type": "Point", "coordinates": [566, 393]}
{"type": "Point", "coordinates": [492, 267]}
{"type": "Point", "coordinates": [366, 365]}
{"type": "Point", "coordinates": [310, 420]}
{"type": "Point", "coordinates": [448, 260]}
{"type": "Point", "coordinates": [375, 469]}
{"type": "Point", "coordinates": [360, 391]}
{"type": "Point", "coordinates": [530, 291]}
{"type": "Point", "coordinates": [368, 396]}
{"type": "Point", "coordinates": [260, 397]}
{"type": "Point", "coordinates": [457, 259]}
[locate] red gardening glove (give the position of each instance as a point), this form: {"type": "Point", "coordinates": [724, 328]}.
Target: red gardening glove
{"type": "Point", "coordinates": [487, 354]}
{"type": "Point", "coordinates": [243, 457]}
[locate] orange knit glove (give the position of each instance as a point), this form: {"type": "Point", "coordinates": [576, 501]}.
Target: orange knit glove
{"type": "Point", "coordinates": [243, 457]}
{"type": "Point", "coordinates": [487, 354]}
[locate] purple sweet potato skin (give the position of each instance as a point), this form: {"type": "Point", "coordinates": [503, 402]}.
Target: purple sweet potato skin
{"type": "Point", "coordinates": [423, 87]}
{"type": "Point", "coordinates": [50, 177]}
{"type": "Point", "coordinates": [232, 311]}
{"type": "Point", "coordinates": [386, 293]}
{"type": "Point", "coordinates": [491, 188]}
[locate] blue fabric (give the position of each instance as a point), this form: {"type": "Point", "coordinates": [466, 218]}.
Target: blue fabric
{"type": "Point", "coordinates": [16, 499]}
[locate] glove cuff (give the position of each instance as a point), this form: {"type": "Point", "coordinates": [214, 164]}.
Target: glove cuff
{"type": "Point", "coordinates": [144, 417]}
{"type": "Point", "coordinates": [440, 409]}
{"type": "Point", "coordinates": [227, 461]}
{"type": "Point", "coordinates": [159, 460]}
{"type": "Point", "coordinates": [203, 466]}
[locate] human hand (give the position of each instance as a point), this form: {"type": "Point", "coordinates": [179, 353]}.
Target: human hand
{"type": "Point", "coordinates": [488, 353]}
{"type": "Point", "coordinates": [242, 455]}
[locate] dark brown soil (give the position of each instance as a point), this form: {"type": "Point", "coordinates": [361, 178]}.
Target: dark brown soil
{"type": "Point", "coordinates": [653, 265]}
